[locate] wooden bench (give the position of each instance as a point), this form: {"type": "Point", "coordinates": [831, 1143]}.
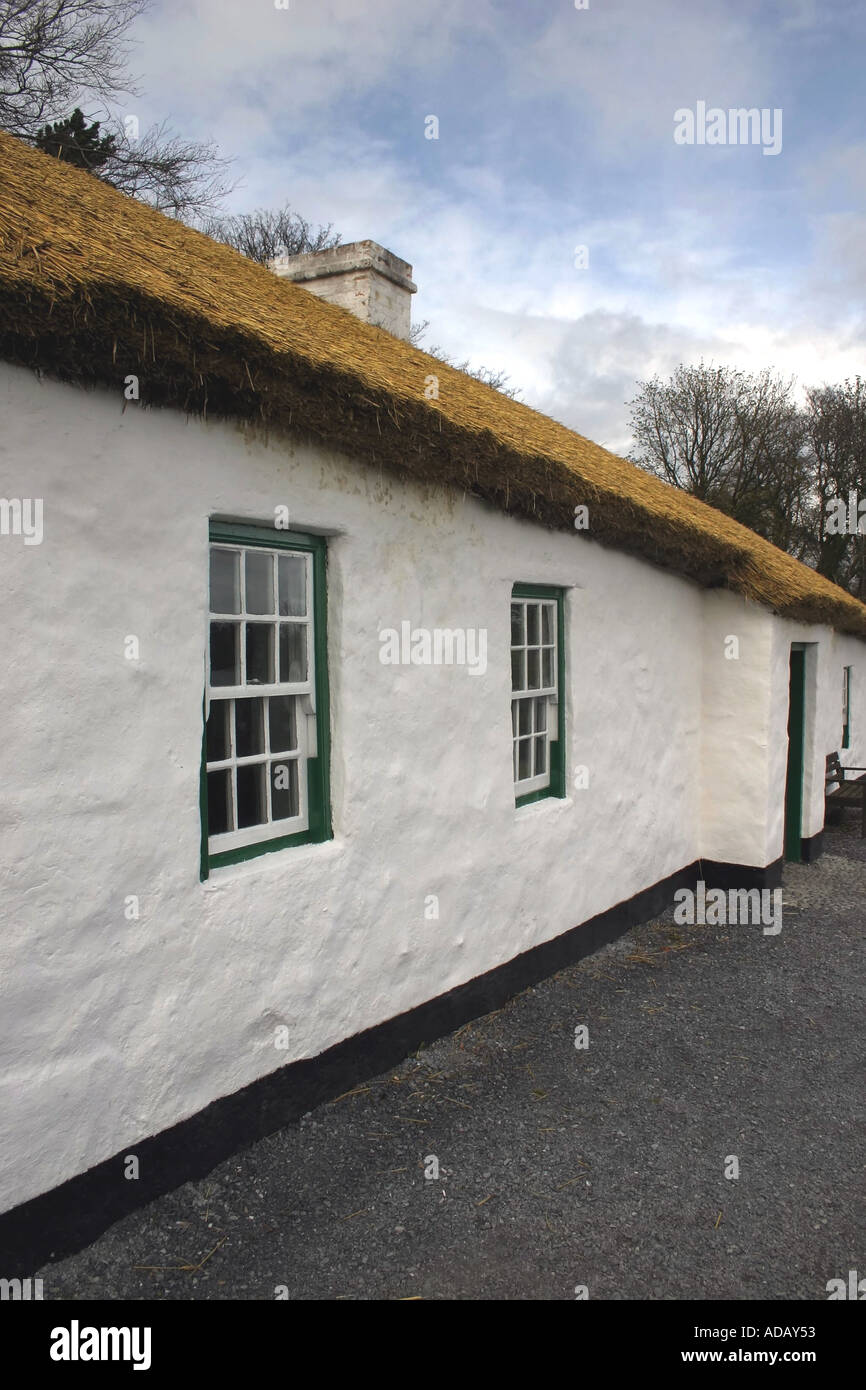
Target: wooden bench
{"type": "Point", "coordinates": [848, 793]}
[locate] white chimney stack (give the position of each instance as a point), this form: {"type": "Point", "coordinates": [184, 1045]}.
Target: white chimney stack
{"type": "Point", "coordinates": [363, 277]}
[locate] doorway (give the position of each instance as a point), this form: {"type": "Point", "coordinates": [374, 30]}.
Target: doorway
{"type": "Point", "coordinates": [796, 755]}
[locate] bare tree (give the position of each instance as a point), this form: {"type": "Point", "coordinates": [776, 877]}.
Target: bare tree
{"type": "Point", "coordinates": [497, 379]}
{"type": "Point", "coordinates": [267, 233]}
{"type": "Point", "coordinates": [186, 178]}
{"type": "Point", "coordinates": [53, 50]}
{"type": "Point", "coordinates": [58, 53]}
{"type": "Point", "coordinates": [733, 439]}
{"type": "Point", "coordinates": [836, 436]}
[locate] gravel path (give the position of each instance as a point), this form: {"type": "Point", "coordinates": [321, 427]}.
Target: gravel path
{"type": "Point", "coordinates": [559, 1166]}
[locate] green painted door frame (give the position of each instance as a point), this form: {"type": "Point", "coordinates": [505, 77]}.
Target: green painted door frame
{"type": "Point", "coordinates": [796, 757]}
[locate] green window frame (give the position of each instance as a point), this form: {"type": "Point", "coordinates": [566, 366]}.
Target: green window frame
{"type": "Point", "coordinates": [269, 612]}
{"type": "Point", "coordinates": [537, 692]}
{"type": "Point", "coordinates": [846, 706]}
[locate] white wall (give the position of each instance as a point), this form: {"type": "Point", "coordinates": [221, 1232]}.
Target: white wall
{"type": "Point", "coordinates": [112, 1030]}
{"type": "Point", "coordinates": [744, 751]}
{"type": "Point", "coordinates": [735, 737]}
{"type": "Point", "coordinates": [827, 653]}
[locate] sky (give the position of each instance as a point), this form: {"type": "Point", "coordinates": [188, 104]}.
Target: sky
{"type": "Point", "coordinates": [556, 131]}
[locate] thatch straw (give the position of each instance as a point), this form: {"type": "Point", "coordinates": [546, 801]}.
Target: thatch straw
{"type": "Point", "coordinates": [94, 286]}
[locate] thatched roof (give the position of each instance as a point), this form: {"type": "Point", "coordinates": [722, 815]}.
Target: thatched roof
{"type": "Point", "coordinates": [94, 286]}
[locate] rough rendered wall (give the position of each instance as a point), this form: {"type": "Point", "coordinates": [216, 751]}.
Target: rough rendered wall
{"type": "Point", "coordinates": [826, 654]}
{"type": "Point", "coordinates": [745, 726]}
{"type": "Point", "coordinates": [735, 746]}
{"type": "Point", "coordinates": [112, 1030]}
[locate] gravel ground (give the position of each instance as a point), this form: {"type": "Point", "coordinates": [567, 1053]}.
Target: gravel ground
{"type": "Point", "coordinates": [559, 1167]}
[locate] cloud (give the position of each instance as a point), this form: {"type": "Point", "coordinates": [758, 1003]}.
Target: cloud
{"type": "Point", "coordinates": [556, 131]}
{"type": "Point", "coordinates": [316, 55]}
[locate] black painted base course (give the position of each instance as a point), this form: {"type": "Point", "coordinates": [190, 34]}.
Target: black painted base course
{"type": "Point", "coordinates": [813, 848]}
{"type": "Point", "coordinates": [62, 1221]}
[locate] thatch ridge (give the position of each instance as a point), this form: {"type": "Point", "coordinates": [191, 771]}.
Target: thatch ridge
{"type": "Point", "coordinates": [94, 286]}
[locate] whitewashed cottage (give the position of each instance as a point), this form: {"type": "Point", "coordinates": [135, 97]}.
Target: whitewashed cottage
{"type": "Point", "coordinates": [325, 728]}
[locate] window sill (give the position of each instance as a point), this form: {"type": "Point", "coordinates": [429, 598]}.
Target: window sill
{"type": "Point", "coordinates": [544, 805]}
{"type": "Point", "coordinates": [276, 862]}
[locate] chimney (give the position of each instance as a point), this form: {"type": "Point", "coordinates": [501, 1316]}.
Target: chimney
{"type": "Point", "coordinates": [363, 277]}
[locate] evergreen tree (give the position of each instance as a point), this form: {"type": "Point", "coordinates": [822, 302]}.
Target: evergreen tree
{"type": "Point", "coordinates": [76, 142]}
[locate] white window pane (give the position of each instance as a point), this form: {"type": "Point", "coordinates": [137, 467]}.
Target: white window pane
{"type": "Point", "coordinates": [260, 654]}
{"type": "Point", "coordinates": [225, 594]}
{"type": "Point", "coordinates": [524, 759]}
{"type": "Point", "coordinates": [249, 728]}
{"type": "Point", "coordinates": [293, 586]}
{"type": "Point", "coordinates": [219, 796]}
{"type": "Point", "coordinates": [540, 755]}
{"type": "Point", "coordinates": [518, 671]}
{"type": "Point", "coordinates": [224, 653]}
{"type": "Point", "coordinates": [259, 582]}
{"type": "Point", "coordinates": [281, 717]}
{"type": "Point", "coordinates": [252, 806]}
{"type": "Point", "coordinates": [534, 637]}
{"type": "Point", "coordinates": [262, 792]}
{"type": "Point", "coordinates": [218, 741]}
{"type": "Point", "coordinates": [533, 669]}
{"type": "Point", "coordinates": [293, 652]}
{"type": "Point", "coordinates": [284, 790]}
